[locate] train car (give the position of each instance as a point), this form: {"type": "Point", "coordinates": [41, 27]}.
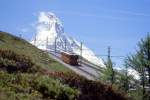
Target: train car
{"type": "Point", "coordinates": [71, 59]}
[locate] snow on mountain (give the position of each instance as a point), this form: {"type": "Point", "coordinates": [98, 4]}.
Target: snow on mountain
{"type": "Point", "coordinates": [134, 73]}
{"type": "Point", "coordinates": [130, 71]}
{"type": "Point", "coordinates": [50, 32]}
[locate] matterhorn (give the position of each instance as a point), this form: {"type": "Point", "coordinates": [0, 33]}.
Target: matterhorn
{"type": "Point", "coordinates": [50, 35]}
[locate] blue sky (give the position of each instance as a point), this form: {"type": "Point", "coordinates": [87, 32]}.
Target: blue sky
{"type": "Point", "coordinates": [98, 23]}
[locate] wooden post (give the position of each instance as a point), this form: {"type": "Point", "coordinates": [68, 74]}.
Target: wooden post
{"type": "Point", "coordinates": [110, 65]}
{"type": "Point", "coordinates": [35, 41]}
{"type": "Point", "coordinates": [46, 42]}
{"type": "Point", "coordinates": [81, 53]}
{"type": "Point", "coordinates": [55, 45]}
{"type": "Point", "coordinates": [20, 35]}
{"type": "Point", "coordinates": [109, 52]}
{"type": "Point", "coordinates": [65, 45]}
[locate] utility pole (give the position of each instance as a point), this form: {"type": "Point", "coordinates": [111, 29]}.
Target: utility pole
{"type": "Point", "coordinates": [55, 45]}
{"type": "Point", "coordinates": [46, 42]}
{"type": "Point", "coordinates": [109, 53]}
{"type": "Point", "coordinates": [148, 51]}
{"type": "Point", "coordinates": [110, 66]}
{"type": "Point", "coordinates": [65, 45]}
{"type": "Point", "coordinates": [126, 84]}
{"type": "Point", "coordinates": [49, 26]}
{"type": "Point", "coordinates": [81, 53]}
{"type": "Point", "coordinates": [35, 40]}
{"type": "Point", "coordinates": [20, 35]}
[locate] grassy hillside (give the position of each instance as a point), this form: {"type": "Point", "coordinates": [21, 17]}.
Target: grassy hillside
{"type": "Point", "coordinates": [20, 46]}
{"type": "Point", "coordinates": [27, 73]}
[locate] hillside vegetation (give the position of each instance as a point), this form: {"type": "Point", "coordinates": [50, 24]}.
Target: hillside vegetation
{"type": "Point", "coordinates": [22, 47]}
{"type": "Point", "coordinates": [27, 73]}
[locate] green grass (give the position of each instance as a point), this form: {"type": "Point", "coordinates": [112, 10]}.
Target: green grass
{"type": "Point", "coordinates": [23, 86]}
{"type": "Point", "coordinates": [20, 46]}
{"type": "Point", "coordinates": [20, 76]}
{"type": "Point", "coordinates": [27, 73]}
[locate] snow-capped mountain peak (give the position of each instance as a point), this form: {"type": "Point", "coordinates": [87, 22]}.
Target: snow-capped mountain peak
{"type": "Point", "coordinates": [50, 32]}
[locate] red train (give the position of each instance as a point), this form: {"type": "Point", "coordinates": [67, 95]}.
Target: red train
{"type": "Point", "coordinates": [71, 59]}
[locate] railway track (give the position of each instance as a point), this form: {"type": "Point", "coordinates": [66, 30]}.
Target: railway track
{"type": "Point", "coordinates": [86, 70]}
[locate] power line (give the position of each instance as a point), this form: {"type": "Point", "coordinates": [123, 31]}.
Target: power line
{"type": "Point", "coordinates": [82, 49]}
{"type": "Point", "coordinates": [110, 56]}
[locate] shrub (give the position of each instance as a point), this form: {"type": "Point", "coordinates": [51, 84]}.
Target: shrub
{"type": "Point", "coordinates": [17, 87]}
{"type": "Point", "coordinates": [53, 89]}
{"type": "Point", "coordinates": [34, 87]}
{"type": "Point", "coordinates": [13, 62]}
{"type": "Point", "coordinates": [89, 90]}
